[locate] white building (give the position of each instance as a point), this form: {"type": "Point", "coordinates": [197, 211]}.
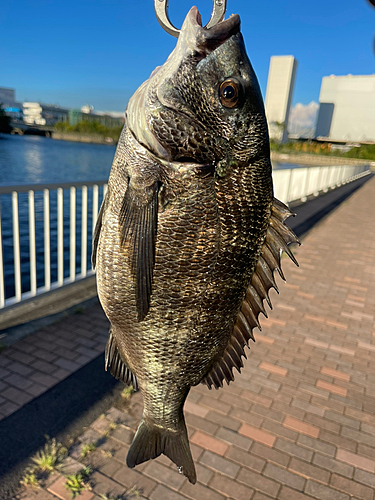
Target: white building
{"type": "Point", "coordinates": [347, 108]}
{"type": "Point", "coordinates": [35, 113]}
{"type": "Point", "coordinates": [280, 86]}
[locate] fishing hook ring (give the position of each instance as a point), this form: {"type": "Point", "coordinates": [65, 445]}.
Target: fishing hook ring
{"type": "Point", "coordinates": [161, 11]}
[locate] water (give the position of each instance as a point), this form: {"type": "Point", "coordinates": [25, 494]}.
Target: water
{"type": "Point", "coordinates": [35, 160]}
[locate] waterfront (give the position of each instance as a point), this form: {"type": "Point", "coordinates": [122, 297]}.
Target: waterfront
{"type": "Point", "coordinates": [34, 159]}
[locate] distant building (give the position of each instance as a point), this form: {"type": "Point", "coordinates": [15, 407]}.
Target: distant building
{"type": "Point", "coordinates": [86, 114]}
{"type": "Point", "coordinates": [280, 86]}
{"type": "Point", "coordinates": [9, 104]}
{"type": "Point", "coordinates": [35, 113]}
{"type": "Point", "coordinates": [347, 109]}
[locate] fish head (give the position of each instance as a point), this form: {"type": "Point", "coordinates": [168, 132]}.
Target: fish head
{"type": "Point", "coordinates": [204, 104]}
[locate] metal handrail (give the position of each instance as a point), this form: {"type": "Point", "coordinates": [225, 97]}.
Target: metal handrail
{"type": "Point", "coordinates": [50, 217]}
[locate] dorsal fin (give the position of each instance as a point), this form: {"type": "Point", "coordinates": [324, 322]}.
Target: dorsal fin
{"type": "Point", "coordinates": [117, 365]}
{"type": "Point", "coordinates": [278, 237]}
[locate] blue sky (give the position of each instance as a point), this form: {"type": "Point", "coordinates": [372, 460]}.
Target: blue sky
{"type": "Point", "coordinates": [74, 52]}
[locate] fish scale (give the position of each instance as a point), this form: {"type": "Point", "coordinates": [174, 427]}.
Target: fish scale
{"type": "Point", "coordinates": [189, 235]}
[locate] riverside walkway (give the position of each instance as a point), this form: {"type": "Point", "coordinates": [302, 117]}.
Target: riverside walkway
{"type": "Point", "coordinates": [298, 423]}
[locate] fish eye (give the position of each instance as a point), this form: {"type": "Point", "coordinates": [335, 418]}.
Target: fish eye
{"type": "Point", "coordinates": [229, 93]}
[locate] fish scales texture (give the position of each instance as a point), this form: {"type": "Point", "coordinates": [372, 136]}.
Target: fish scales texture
{"type": "Point", "coordinates": [187, 213]}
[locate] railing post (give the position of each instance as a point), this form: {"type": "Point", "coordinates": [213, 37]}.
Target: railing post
{"type": "Point", "coordinates": [60, 236]}
{"type": "Point", "coordinates": [72, 233]}
{"type": "Point", "coordinates": [32, 246]}
{"type": "Point", "coordinates": [16, 247]}
{"type": "Point", "coordinates": [47, 241]}
{"type": "Point", "coordinates": [2, 287]}
{"type": "Point", "coordinates": [84, 232]}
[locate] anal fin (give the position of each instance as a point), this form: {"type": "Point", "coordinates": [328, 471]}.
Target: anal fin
{"type": "Point", "coordinates": [116, 365]}
{"type": "Point", "coordinates": [278, 237]}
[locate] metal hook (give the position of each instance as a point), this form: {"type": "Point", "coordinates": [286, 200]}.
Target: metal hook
{"type": "Point", "coordinates": [161, 11]}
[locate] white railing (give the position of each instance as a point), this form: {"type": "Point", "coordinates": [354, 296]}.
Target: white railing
{"type": "Point", "coordinates": [296, 184]}
{"type": "Point", "coordinates": [46, 230]}
{"type": "Point", "coordinates": [45, 236]}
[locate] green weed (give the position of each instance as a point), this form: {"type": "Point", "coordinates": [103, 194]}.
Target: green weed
{"type": "Point", "coordinates": [76, 483]}
{"type": "Point", "coordinates": [127, 392]}
{"type": "Point", "coordinates": [87, 448]}
{"type": "Point", "coordinates": [30, 479]}
{"type": "Point", "coordinates": [50, 457]}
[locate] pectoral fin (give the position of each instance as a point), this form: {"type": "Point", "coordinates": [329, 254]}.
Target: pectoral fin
{"type": "Point", "coordinates": [138, 226]}
{"type": "Point", "coordinates": [98, 228]}
{"type": "Point", "coordinates": [278, 237]}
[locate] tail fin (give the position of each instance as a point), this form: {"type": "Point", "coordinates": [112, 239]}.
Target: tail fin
{"type": "Point", "coordinates": [150, 441]}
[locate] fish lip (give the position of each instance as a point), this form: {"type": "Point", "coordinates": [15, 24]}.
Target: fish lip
{"type": "Point", "coordinates": [207, 40]}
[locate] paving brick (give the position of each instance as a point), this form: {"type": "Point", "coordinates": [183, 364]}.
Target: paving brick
{"type": "Point", "coordinates": [66, 364]}
{"type": "Point", "coordinates": [338, 441]}
{"type": "Point", "coordinates": [131, 477]}
{"type": "Point", "coordinates": [255, 398]}
{"type": "Point", "coordinates": [223, 420]}
{"type": "Point", "coordinates": [322, 423]}
{"type": "Point", "coordinates": [123, 434]}
{"type": "Point", "coordinates": [219, 464]}
{"type": "Point", "coordinates": [333, 465]}
{"type": "Point", "coordinates": [258, 482]}
{"type": "Point", "coordinates": [355, 460]}
{"type": "Point", "coordinates": [352, 488]}
{"type": "Point", "coordinates": [204, 475]}
{"type": "Point", "coordinates": [246, 416]}
{"type": "Point", "coordinates": [195, 491]}
{"type": "Point", "coordinates": [8, 408]}
{"type": "Point", "coordinates": [279, 430]}
{"type": "Point", "coordinates": [335, 373]}
{"type": "Point", "coordinates": [16, 396]}
{"type": "Point", "coordinates": [18, 381]}
{"type": "Point", "coordinates": [309, 471]}
{"type": "Point", "coordinates": [364, 477]}
{"type": "Point", "coordinates": [246, 459]}
{"type": "Point", "coordinates": [337, 417]}
{"type": "Point", "coordinates": [322, 492]}
{"type": "Point", "coordinates": [103, 485]}
{"type": "Point", "coordinates": [201, 424]}
{"type": "Point", "coordinates": [278, 370]}
{"type": "Point", "coordinates": [304, 405]}
{"type": "Point", "coordinates": [301, 427]}
{"type": "Point", "coordinates": [234, 438]}
{"type": "Point", "coordinates": [209, 443]}
{"type": "Point", "coordinates": [257, 435]}
{"type": "Point", "coordinates": [270, 454]}
{"type": "Point", "coordinates": [289, 494]}
{"type": "Point", "coordinates": [215, 404]}
{"type": "Point", "coordinates": [195, 409]}
{"type": "Point", "coordinates": [293, 449]}
{"type": "Point", "coordinates": [20, 369]}
{"type": "Point", "coordinates": [321, 384]}
{"type": "Point", "coordinates": [161, 474]}
{"type": "Point", "coordinates": [231, 488]}
{"type": "Point", "coordinates": [284, 477]}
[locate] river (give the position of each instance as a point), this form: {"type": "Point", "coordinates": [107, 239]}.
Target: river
{"type": "Point", "coordinates": [34, 159]}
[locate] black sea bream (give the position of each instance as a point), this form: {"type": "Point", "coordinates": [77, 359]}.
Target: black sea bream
{"type": "Point", "coordinates": [189, 233]}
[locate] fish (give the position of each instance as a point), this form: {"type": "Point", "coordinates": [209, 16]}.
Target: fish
{"type": "Point", "coordinates": [189, 235]}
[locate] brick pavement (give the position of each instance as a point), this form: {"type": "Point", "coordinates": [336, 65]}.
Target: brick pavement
{"type": "Point", "coordinates": [38, 362]}
{"type": "Point", "coordinates": [299, 422]}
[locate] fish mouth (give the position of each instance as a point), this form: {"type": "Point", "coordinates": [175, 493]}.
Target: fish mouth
{"type": "Point", "coordinates": [207, 40]}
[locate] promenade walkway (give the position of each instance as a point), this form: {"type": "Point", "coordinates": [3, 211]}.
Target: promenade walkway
{"type": "Point", "coordinates": [298, 423]}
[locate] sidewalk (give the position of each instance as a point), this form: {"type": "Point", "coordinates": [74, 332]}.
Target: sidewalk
{"type": "Point", "coordinates": [298, 423]}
